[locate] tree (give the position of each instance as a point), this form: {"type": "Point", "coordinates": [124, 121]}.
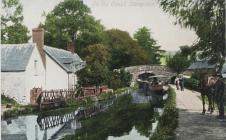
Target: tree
{"type": "Point", "coordinates": [71, 20]}
{"type": "Point", "coordinates": [207, 19]}
{"type": "Point", "coordinates": [120, 79]}
{"type": "Point", "coordinates": [12, 29]}
{"type": "Point", "coordinates": [186, 50]}
{"type": "Point", "coordinates": [97, 53]}
{"type": "Point", "coordinates": [178, 63]}
{"type": "Point", "coordinates": [124, 50]}
{"type": "Point", "coordinates": [94, 74]}
{"type": "Point", "coordinates": [144, 39]}
{"type": "Point", "coordinates": [90, 34]}
{"type": "Point", "coordinates": [96, 71]}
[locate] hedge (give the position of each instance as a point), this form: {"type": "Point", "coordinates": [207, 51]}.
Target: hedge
{"type": "Point", "coordinates": [168, 122]}
{"type": "Point", "coordinates": [191, 83]}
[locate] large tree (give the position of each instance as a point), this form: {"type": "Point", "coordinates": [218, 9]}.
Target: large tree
{"type": "Point", "coordinates": [178, 62]}
{"type": "Point", "coordinates": [96, 71]}
{"type": "Point", "coordinates": [12, 29]}
{"type": "Point", "coordinates": [144, 39]}
{"type": "Point", "coordinates": [71, 20]}
{"type": "Point", "coordinates": [206, 18]}
{"type": "Point", "coordinates": [124, 50]}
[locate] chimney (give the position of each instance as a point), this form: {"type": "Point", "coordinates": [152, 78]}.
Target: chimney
{"type": "Point", "coordinates": [71, 46]}
{"type": "Point", "coordinates": [38, 38]}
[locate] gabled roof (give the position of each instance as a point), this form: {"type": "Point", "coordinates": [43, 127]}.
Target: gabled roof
{"type": "Point", "coordinates": [70, 62]}
{"type": "Point", "coordinates": [201, 64]}
{"type": "Point", "coordinates": [15, 57]}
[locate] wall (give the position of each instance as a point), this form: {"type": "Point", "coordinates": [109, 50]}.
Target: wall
{"type": "Point", "coordinates": [13, 85]}
{"type": "Point", "coordinates": [56, 77]}
{"type": "Point", "coordinates": [35, 75]}
{"type": "Point", "coordinates": [73, 80]}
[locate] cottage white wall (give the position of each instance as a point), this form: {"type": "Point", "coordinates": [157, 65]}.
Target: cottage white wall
{"type": "Point", "coordinates": [56, 77]}
{"type": "Point", "coordinates": [73, 80]}
{"type": "Point", "coordinates": [35, 73]}
{"type": "Point", "coordinates": [13, 86]}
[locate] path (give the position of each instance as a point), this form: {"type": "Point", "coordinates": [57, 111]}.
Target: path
{"type": "Point", "coordinates": [193, 125]}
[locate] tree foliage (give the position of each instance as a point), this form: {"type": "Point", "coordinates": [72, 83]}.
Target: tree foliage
{"type": "Point", "coordinates": [71, 20]}
{"type": "Point", "coordinates": [144, 40]}
{"type": "Point", "coordinates": [96, 72]}
{"type": "Point", "coordinates": [124, 50]}
{"type": "Point", "coordinates": [12, 29]}
{"type": "Point", "coordinates": [206, 18]}
{"type": "Point", "coordinates": [178, 62]}
{"type": "Point", "coordinates": [120, 79]}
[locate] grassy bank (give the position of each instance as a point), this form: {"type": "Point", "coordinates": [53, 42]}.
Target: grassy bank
{"type": "Point", "coordinates": [17, 110]}
{"type": "Point", "coordinates": [168, 122]}
{"type": "Point", "coordinates": [7, 101]}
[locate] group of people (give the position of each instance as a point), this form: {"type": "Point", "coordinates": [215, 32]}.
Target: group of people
{"type": "Point", "coordinates": [179, 82]}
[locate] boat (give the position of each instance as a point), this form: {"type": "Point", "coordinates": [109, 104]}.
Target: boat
{"type": "Point", "coordinates": [157, 84]}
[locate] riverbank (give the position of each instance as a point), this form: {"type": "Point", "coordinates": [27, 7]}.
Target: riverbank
{"type": "Point", "coordinates": [168, 122]}
{"type": "Point", "coordinates": [115, 117]}
{"type": "Point", "coordinates": [193, 125]}
{"type": "Point", "coordinates": [17, 110]}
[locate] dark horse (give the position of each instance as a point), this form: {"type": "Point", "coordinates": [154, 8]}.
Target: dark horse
{"type": "Point", "coordinates": [207, 89]}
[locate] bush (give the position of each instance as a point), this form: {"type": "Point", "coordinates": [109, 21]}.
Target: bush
{"type": "Point", "coordinates": [6, 100]}
{"type": "Point", "coordinates": [191, 83]}
{"type": "Point", "coordinates": [80, 103]}
{"type": "Point", "coordinates": [168, 122]}
{"type": "Point", "coordinates": [18, 111]}
{"type": "Point", "coordinates": [120, 79]}
{"type": "Point", "coordinates": [105, 96]}
{"type": "Point", "coordinates": [122, 90]}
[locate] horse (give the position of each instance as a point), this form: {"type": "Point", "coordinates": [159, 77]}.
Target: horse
{"type": "Point", "coordinates": [207, 89]}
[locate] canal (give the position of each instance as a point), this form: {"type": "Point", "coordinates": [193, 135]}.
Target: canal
{"type": "Point", "coordinates": [130, 116]}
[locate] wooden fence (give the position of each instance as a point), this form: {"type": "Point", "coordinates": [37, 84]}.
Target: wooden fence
{"type": "Point", "coordinates": [47, 98]}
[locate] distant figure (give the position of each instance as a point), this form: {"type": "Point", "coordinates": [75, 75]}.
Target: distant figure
{"type": "Point", "coordinates": [219, 95]}
{"type": "Point", "coordinates": [181, 83]}
{"type": "Point", "coordinates": [177, 82]}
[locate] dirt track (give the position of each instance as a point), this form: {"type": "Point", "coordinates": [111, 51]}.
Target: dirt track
{"type": "Point", "coordinates": [193, 125]}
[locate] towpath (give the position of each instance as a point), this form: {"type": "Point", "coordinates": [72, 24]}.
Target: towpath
{"type": "Point", "coordinates": [193, 125]}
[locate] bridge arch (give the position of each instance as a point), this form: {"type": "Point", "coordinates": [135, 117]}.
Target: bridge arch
{"type": "Point", "coordinates": [137, 71]}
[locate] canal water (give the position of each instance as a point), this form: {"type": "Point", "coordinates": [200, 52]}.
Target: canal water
{"type": "Point", "coordinates": [128, 117]}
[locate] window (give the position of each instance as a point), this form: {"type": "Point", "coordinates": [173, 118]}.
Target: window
{"type": "Point", "coordinates": [35, 67]}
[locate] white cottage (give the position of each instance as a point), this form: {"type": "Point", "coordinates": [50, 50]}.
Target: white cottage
{"type": "Point", "coordinates": [34, 65]}
{"type": "Point", "coordinates": [21, 70]}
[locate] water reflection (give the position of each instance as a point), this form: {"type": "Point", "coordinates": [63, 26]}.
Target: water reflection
{"type": "Point", "coordinates": [123, 119]}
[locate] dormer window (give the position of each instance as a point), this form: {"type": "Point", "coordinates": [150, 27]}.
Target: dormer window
{"type": "Point", "coordinates": [36, 67]}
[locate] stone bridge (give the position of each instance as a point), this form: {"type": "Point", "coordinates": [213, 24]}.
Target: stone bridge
{"type": "Point", "coordinates": [137, 71]}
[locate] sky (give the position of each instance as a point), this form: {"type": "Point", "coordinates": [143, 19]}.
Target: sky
{"type": "Point", "coordinates": [126, 15]}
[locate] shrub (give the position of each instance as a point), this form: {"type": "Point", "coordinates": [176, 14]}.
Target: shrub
{"type": "Point", "coordinates": [191, 83]}
{"type": "Point", "coordinates": [105, 96]}
{"type": "Point", "coordinates": [168, 122]}
{"type": "Point", "coordinates": [120, 79]}
{"type": "Point", "coordinates": [6, 100]}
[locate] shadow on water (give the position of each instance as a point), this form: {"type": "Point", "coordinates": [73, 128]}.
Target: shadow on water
{"type": "Point", "coordinates": [118, 121]}
{"type": "Point", "coordinates": [105, 120]}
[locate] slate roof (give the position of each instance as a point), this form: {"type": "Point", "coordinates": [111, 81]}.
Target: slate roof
{"type": "Point", "coordinates": [201, 64]}
{"type": "Point", "coordinates": [70, 62]}
{"type": "Point", "coordinates": [15, 57]}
